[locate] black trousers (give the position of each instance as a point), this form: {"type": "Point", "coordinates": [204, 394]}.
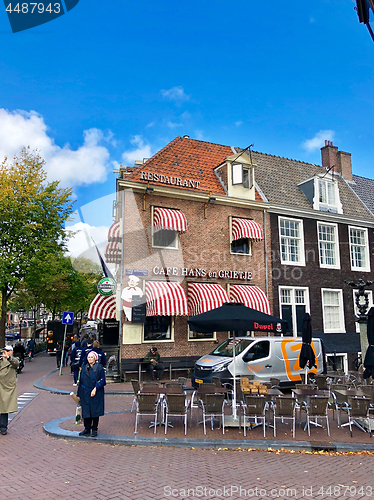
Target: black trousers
{"type": "Point", "coordinates": [3, 421]}
{"type": "Point", "coordinates": [159, 369]}
{"type": "Point", "coordinates": [91, 423]}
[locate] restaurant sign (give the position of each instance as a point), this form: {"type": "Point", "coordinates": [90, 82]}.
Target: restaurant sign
{"type": "Point", "coordinates": [169, 179]}
{"type": "Point", "coordinates": [201, 273]}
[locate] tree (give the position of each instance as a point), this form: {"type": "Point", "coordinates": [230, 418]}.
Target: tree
{"type": "Point", "coordinates": [32, 216]}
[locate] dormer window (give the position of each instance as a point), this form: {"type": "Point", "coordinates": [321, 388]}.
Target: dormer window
{"type": "Point", "coordinates": [326, 196]}
{"type": "Point", "coordinates": [242, 175]}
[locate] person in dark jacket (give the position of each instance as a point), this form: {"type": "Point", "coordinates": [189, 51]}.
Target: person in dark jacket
{"type": "Point", "coordinates": [155, 365]}
{"type": "Point", "coordinates": [95, 347]}
{"type": "Point", "coordinates": [91, 394]}
{"type": "Point", "coordinates": [58, 353]}
{"type": "Point", "coordinates": [75, 357]}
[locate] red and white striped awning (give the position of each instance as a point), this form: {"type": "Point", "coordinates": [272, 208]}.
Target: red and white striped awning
{"type": "Point", "coordinates": [113, 252]}
{"type": "Point", "coordinates": [167, 218]}
{"type": "Point", "coordinates": [203, 297]}
{"type": "Point", "coordinates": [114, 233]}
{"type": "Point", "coordinates": [246, 228]}
{"type": "Point", "coordinates": [103, 307]}
{"type": "Point", "coordinates": [250, 296]}
{"type": "Point", "coordinates": [165, 298]}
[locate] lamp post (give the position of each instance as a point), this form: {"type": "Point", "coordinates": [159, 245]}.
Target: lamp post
{"type": "Point", "coordinates": [21, 311]}
{"type": "Point", "coordinates": [362, 303]}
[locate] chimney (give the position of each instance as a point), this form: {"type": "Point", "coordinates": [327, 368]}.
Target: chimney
{"type": "Point", "coordinates": [335, 160]}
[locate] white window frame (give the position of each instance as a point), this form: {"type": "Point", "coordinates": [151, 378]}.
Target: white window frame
{"type": "Point", "coordinates": [336, 243]}
{"type": "Point", "coordinates": [293, 303]}
{"type": "Point", "coordinates": [341, 328]}
{"type": "Point", "coordinates": [339, 355]}
{"type": "Point", "coordinates": [327, 181]}
{"type": "Point", "coordinates": [355, 308]}
{"type": "Point", "coordinates": [301, 262]}
{"type": "Point", "coordinates": [366, 249]}
{"type": "Point", "coordinates": [176, 240]}
{"type": "Point", "coordinates": [172, 327]}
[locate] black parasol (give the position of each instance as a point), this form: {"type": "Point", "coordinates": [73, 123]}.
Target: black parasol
{"type": "Point", "coordinates": [369, 356]}
{"type": "Point", "coordinates": [307, 357]}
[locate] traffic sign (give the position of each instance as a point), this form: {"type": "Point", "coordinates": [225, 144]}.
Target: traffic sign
{"type": "Point", "coordinates": [67, 318]}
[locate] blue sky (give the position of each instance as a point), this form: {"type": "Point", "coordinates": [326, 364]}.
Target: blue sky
{"type": "Point", "coordinates": [115, 81]}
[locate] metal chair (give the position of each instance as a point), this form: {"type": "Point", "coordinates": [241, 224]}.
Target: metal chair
{"type": "Point", "coordinates": [317, 408]}
{"type": "Point", "coordinates": [216, 381]}
{"type": "Point", "coordinates": [196, 396]}
{"type": "Point", "coordinates": [339, 401]}
{"type": "Point", "coordinates": [358, 408]}
{"type": "Point", "coordinates": [182, 380]}
{"type": "Point", "coordinates": [368, 391]}
{"type": "Point", "coordinates": [213, 406]}
{"type": "Point", "coordinates": [176, 405]}
{"type": "Point", "coordinates": [174, 385]}
{"type": "Point", "coordinates": [147, 404]}
{"type": "Point", "coordinates": [275, 382]}
{"type": "Point", "coordinates": [136, 388]}
{"type": "Point", "coordinates": [323, 383]}
{"type": "Point", "coordinates": [254, 407]}
{"type": "Point", "coordinates": [149, 385]}
{"type": "Point", "coordinates": [284, 408]}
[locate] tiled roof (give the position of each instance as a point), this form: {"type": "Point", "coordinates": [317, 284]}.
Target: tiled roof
{"type": "Point", "coordinates": [364, 188]}
{"type": "Point", "coordinates": [188, 159]}
{"type": "Point", "coordinates": [278, 178]}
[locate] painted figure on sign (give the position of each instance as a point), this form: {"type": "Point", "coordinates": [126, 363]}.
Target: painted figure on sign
{"type": "Point", "coordinates": [127, 294]}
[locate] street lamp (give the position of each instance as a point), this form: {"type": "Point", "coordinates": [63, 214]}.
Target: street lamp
{"type": "Point", "coordinates": [21, 311]}
{"type": "Point", "coordinates": [362, 303]}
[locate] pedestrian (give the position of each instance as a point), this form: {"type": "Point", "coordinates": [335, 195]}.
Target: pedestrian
{"type": "Point", "coordinates": [154, 364]}
{"type": "Point", "coordinates": [8, 386]}
{"type": "Point", "coordinates": [91, 394]}
{"type": "Point", "coordinates": [95, 347]}
{"type": "Point", "coordinates": [58, 353]}
{"type": "Point", "coordinates": [84, 340]}
{"type": "Point", "coordinates": [86, 350]}
{"type": "Point", "coordinates": [31, 346]}
{"type": "Point", "coordinates": [74, 360]}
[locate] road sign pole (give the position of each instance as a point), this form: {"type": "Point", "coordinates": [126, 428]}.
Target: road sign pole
{"type": "Point", "coordinates": [63, 350]}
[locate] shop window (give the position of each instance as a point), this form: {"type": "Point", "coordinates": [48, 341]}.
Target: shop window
{"type": "Point", "coordinates": [201, 336]}
{"type": "Point", "coordinates": [158, 328]}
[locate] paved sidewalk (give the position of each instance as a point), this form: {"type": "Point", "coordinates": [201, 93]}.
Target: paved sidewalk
{"type": "Point", "coordinates": [117, 427]}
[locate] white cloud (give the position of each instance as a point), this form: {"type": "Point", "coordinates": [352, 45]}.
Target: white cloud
{"type": "Point", "coordinates": [81, 244]}
{"type": "Point", "coordinates": [174, 124]}
{"type": "Point", "coordinates": [238, 123]}
{"type": "Point", "coordinates": [318, 141]}
{"type": "Point", "coordinates": [143, 150]}
{"type": "Point", "coordinates": [176, 94]}
{"type": "Point", "coordinates": [85, 165]}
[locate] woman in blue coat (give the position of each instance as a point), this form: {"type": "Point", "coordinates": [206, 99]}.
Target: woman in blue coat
{"type": "Point", "coordinates": [91, 394]}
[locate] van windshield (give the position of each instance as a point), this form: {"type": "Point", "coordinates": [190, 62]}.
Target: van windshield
{"type": "Point", "coordinates": [226, 348]}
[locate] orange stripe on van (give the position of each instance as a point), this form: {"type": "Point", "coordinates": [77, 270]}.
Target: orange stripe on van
{"type": "Point", "coordinates": [296, 367]}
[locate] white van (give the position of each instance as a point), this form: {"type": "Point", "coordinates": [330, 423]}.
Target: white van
{"type": "Point", "coordinates": [263, 357]}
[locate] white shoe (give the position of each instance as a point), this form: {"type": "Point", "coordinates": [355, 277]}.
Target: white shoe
{"type": "Point", "coordinates": [74, 385]}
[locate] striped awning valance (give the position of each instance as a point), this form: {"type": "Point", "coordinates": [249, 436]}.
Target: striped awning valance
{"type": "Point", "coordinates": [167, 218]}
{"type": "Point", "coordinates": [102, 307]}
{"type": "Point", "coordinates": [246, 228]}
{"type": "Point", "coordinates": [250, 296]}
{"type": "Point", "coordinates": [203, 297]}
{"type": "Point", "coordinates": [165, 298]}
{"type": "Point", "coordinates": [114, 233]}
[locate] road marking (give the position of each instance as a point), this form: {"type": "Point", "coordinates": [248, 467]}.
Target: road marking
{"type": "Point", "coordinates": [23, 400]}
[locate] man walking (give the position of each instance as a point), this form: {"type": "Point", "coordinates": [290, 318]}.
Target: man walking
{"type": "Point", "coordinates": [8, 386]}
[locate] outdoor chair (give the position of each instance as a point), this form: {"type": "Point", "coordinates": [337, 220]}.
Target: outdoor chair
{"type": "Point", "coordinates": [368, 391]}
{"type": "Point", "coordinates": [322, 383]}
{"type": "Point", "coordinates": [216, 381]}
{"type": "Point", "coordinates": [175, 385]}
{"type": "Point", "coordinates": [147, 404]}
{"type": "Point", "coordinates": [317, 408]}
{"type": "Point", "coordinates": [254, 408]}
{"type": "Point", "coordinates": [136, 388]}
{"type": "Point", "coordinates": [339, 401]}
{"type": "Point", "coordinates": [149, 385]}
{"type": "Point", "coordinates": [284, 408]}
{"type": "Point", "coordinates": [358, 408]}
{"type": "Point", "coordinates": [196, 395]}
{"type": "Point", "coordinates": [182, 380]}
{"type": "Point", "coordinates": [176, 405]}
{"type": "Point", "coordinates": [213, 406]}
{"type": "Point", "coordinates": [275, 382]}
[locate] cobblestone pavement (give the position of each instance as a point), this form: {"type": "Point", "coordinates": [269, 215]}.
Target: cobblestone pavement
{"type": "Point", "coordinates": [36, 466]}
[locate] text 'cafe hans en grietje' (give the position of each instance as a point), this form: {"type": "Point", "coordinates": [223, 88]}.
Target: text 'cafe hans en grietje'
{"type": "Point", "coordinates": [195, 237]}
